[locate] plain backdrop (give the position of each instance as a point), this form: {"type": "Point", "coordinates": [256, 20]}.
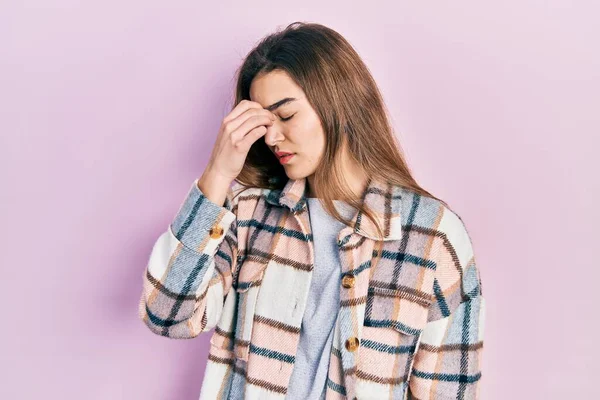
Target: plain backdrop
{"type": "Point", "coordinates": [109, 110]}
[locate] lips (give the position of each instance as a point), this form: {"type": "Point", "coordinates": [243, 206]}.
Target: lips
{"type": "Point", "coordinates": [284, 157]}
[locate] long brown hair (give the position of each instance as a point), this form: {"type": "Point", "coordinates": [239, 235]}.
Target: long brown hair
{"type": "Point", "coordinates": [341, 90]}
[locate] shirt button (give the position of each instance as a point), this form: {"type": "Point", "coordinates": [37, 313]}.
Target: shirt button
{"type": "Point", "coordinates": [348, 281]}
{"type": "Point", "coordinates": [216, 231]}
{"type": "Point", "coordinates": [352, 343]}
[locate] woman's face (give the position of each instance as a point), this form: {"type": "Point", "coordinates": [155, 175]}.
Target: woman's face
{"type": "Point", "coordinates": [297, 130]}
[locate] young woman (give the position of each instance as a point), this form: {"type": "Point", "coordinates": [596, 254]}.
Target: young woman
{"type": "Point", "coordinates": [325, 270]}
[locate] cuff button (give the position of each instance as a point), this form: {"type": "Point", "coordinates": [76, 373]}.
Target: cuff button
{"type": "Point", "coordinates": [216, 232]}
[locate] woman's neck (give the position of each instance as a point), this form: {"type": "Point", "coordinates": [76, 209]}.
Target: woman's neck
{"type": "Point", "coordinates": [353, 174]}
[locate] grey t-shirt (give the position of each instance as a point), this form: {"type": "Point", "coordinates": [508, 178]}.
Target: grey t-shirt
{"type": "Point", "coordinates": [309, 376]}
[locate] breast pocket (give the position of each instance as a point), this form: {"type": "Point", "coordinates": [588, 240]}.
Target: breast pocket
{"type": "Point", "coordinates": [394, 319]}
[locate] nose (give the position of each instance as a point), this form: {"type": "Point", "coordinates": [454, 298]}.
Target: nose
{"type": "Point", "coordinates": [273, 135]}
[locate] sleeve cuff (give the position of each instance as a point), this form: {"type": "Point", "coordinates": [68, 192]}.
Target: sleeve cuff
{"type": "Point", "coordinates": [201, 224]}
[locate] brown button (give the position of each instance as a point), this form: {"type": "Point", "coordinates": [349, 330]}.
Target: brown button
{"type": "Point", "coordinates": [352, 343]}
{"type": "Point", "coordinates": [216, 231]}
{"type": "Point", "coordinates": [348, 281]}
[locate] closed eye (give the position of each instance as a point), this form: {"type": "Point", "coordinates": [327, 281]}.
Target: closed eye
{"type": "Point", "coordinates": [288, 118]}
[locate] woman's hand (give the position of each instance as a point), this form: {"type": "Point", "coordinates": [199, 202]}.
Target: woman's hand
{"type": "Point", "coordinates": [243, 126]}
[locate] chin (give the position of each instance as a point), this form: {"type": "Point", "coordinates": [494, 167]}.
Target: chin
{"type": "Point", "coordinates": [294, 174]}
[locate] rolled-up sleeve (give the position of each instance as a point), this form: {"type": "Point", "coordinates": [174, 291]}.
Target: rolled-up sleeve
{"type": "Point", "coordinates": [189, 270]}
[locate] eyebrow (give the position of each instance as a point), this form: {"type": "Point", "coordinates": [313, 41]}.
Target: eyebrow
{"type": "Point", "coordinates": [280, 103]}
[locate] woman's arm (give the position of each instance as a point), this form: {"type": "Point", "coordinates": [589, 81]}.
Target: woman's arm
{"type": "Point", "coordinates": [447, 363]}
{"type": "Point", "coordinates": [189, 271]}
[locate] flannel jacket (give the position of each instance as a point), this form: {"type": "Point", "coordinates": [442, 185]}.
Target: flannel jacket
{"type": "Point", "coordinates": [411, 316]}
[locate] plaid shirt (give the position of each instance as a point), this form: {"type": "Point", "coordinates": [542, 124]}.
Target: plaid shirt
{"type": "Point", "coordinates": [411, 316]}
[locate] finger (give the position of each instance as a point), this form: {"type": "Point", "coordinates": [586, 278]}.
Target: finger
{"type": "Point", "coordinates": [250, 123]}
{"type": "Point", "coordinates": [247, 141]}
{"type": "Point", "coordinates": [242, 107]}
{"type": "Point", "coordinates": [234, 124]}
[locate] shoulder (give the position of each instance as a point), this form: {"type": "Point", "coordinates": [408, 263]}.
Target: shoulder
{"type": "Point", "coordinates": [431, 213]}
{"type": "Point", "coordinates": [452, 252]}
{"type": "Point", "coordinates": [441, 225]}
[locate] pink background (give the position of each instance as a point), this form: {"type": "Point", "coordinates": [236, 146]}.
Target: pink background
{"type": "Point", "coordinates": [108, 111]}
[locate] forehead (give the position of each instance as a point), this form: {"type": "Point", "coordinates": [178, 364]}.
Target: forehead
{"type": "Point", "coordinates": [268, 88]}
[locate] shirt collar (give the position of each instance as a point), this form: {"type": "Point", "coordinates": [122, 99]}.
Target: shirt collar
{"type": "Point", "coordinates": [382, 198]}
